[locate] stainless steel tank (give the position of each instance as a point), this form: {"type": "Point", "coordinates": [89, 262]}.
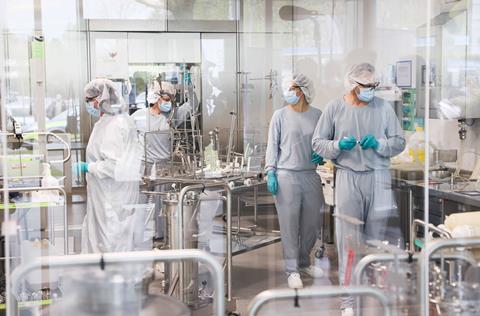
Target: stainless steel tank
{"type": "Point", "coordinates": [187, 287]}
{"type": "Point", "coordinates": [112, 293]}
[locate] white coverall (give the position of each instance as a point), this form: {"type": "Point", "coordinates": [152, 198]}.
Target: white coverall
{"type": "Point", "coordinates": [113, 155]}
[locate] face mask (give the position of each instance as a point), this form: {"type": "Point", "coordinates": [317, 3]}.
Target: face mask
{"type": "Point", "coordinates": [291, 97]}
{"type": "Point", "coordinates": [92, 110]}
{"type": "Point", "coordinates": [366, 94]}
{"type": "Point", "coordinates": [166, 107]}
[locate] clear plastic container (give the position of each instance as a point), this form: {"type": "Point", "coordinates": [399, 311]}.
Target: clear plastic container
{"type": "Point", "coordinates": [417, 145]}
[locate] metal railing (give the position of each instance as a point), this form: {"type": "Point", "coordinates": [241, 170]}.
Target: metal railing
{"type": "Point", "coordinates": [125, 257]}
{"type": "Point", "coordinates": [317, 292]}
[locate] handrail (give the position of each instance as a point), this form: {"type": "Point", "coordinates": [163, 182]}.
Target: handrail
{"type": "Point", "coordinates": [126, 257]}
{"type": "Point", "coordinates": [323, 291]}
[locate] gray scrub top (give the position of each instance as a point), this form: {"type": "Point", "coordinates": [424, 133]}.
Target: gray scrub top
{"type": "Point", "coordinates": [341, 119]}
{"type": "Point", "coordinates": [158, 144]}
{"type": "Point", "coordinates": [290, 140]}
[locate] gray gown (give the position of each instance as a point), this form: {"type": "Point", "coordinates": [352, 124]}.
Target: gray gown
{"type": "Point", "coordinates": [363, 184]}
{"type": "Point", "coordinates": [299, 200]}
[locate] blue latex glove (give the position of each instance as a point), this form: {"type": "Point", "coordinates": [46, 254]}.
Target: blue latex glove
{"type": "Point", "coordinates": [369, 141]}
{"type": "Point", "coordinates": [80, 167]}
{"type": "Point", "coordinates": [272, 182]}
{"type": "Point", "coordinates": [317, 159]}
{"type": "Point", "coordinates": [347, 143]}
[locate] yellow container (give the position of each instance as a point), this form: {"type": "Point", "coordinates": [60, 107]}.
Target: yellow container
{"type": "Point", "coordinates": [421, 155]}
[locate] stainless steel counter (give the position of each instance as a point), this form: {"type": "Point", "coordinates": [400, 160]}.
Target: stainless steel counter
{"type": "Point", "coordinates": [467, 193]}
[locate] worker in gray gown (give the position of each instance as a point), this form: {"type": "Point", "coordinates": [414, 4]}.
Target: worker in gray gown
{"type": "Point", "coordinates": [360, 133]}
{"type": "Point", "coordinates": [292, 178]}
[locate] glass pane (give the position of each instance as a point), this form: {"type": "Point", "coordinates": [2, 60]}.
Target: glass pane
{"type": "Point", "coordinates": [300, 142]}
{"type": "Point", "coordinates": [453, 161]}
{"type": "Point", "coordinates": [123, 10]}
{"type": "Point", "coordinates": [187, 10]}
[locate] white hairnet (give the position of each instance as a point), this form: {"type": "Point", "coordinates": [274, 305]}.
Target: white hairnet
{"type": "Point", "coordinates": [154, 94]}
{"type": "Point", "coordinates": [108, 97]}
{"type": "Point", "coordinates": [168, 88]}
{"type": "Point", "coordinates": [157, 91]}
{"type": "Point", "coordinates": [306, 85]}
{"type": "Point", "coordinates": [363, 73]}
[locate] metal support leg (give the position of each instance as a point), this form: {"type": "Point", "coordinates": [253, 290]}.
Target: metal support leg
{"type": "Point", "coordinates": [255, 206]}
{"type": "Point", "coordinates": [238, 216]}
{"type": "Point", "coordinates": [229, 246]}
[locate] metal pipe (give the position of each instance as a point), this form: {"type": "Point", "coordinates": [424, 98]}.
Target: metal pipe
{"type": "Point", "coordinates": [431, 227]}
{"type": "Point", "coordinates": [410, 218]}
{"type": "Point", "coordinates": [181, 197]}
{"type": "Point", "coordinates": [386, 257]}
{"type": "Point", "coordinates": [128, 257]}
{"type": "Point", "coordinates": [238, 216]}
{"type": "Point", "coordinates": [65, 159]}
{"type": "Point", "coordinates": [230, 136]}
{"type": "Point", "coordinates": [255, 205]}
{"type": "Point", "coordinates": [323, 291]}
{"type": "Point", "coordinates": [180, 228]}
{"type": "Point", "coordinates": [230, 191]}
{"type": "Point", "coordinates": [424, 300]}
{"type": "Point", "coordinates": [65, 209]}
{"type": "Point", "coordinates": [433, 247]}
{"type": "Point", "coordinates": [366, 261]}
{"type": "Point", "coordinates": [223, 180]}
{"type": "Point", "coordinates": [229, 243]}
{"type": "Point", "coordinates": [439, 244]}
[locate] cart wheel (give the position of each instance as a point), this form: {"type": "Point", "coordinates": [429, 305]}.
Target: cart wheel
{"type": "Point", "coordinates": [319, 253]}
{"type": "Point", "coordinates": [233, 314]}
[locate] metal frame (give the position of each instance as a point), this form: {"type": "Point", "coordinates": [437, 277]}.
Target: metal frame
{"type": "Point", "coordinates": [55, 136]}
{"type": "Point", "coordinates": [174, 134]}
{"type": "Point", "coordinates": [429, 250]}
{"type": "Point", "coordinates": [65, 211]}
{"type": "Point", "coordinates": [126, 257]}
{"type": "Point", "coordinates": [386, 257]}
{"type": "Point", "coordinates": [323, 291]}
{"type": "Point", "coordinates": [230, 191]}
{"type": "Point", "coordinates": [225, 184]}
{"type": "Point", "coordinates": [413, 232]}
{"type": "Point", "coordinates": [362, 265]}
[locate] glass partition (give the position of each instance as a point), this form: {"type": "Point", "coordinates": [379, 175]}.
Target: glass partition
{"type": "Point", "coordinates": [299, 142]}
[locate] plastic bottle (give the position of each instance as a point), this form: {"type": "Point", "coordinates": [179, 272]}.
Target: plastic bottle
{"type": "Point", "coordinates": [417, 145]}
{"type": "Point", "coordinates": [49, 181]}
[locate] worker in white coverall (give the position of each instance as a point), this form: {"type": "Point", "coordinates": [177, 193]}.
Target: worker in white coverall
{"type": "Point", "coordinates": [112, 171]}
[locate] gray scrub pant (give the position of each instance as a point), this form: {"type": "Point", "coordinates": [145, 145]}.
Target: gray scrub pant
{"type": "Point", "coordinates": [300, 203]}
{"type": "Point", "coordinates": [368, 197]}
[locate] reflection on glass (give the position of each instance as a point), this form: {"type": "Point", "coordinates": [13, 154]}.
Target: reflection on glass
{"type": "Point", "coordinates": [216, 10]}
{"type": "Point", "coordinates": [18, 16]}
{"type": "Point", "coordinates": [123, 9]}
{"type": "Point", "coordinates": [59, 16]}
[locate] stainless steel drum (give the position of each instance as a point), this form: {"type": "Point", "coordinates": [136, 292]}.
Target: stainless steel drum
{"type": "Point", "coordinates": [187, 272]}
{"type": "Point", "coordinates": [112, 293]}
